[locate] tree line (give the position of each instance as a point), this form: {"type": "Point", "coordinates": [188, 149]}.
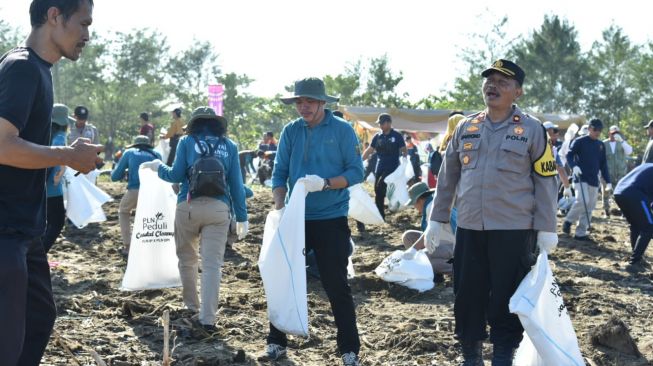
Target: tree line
{"type": "Point", "coordinates": [121, 75]}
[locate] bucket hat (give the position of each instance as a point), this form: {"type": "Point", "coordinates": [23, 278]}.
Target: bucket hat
{"type": "Point", "coordinates": [206, 113]}
{"type": "Point", "coordinates": [140, 140]}
{"type": "Point", "coordinates": [60, 115]}
{"type": "Point", "coordinates": [309, 88]}
{"type": "Point", "coordinates": [416, 191]}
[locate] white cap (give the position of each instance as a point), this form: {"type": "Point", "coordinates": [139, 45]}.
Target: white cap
{"type": "Point", "coordinates": [549, 124]}
{"type": "Point", "coordinates": [614, 128]}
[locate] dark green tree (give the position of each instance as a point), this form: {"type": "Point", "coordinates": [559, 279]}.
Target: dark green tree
{"type": "Point", "coordinates": [191, 71]}
{"type": "Point", "coordinates": [556, 70]}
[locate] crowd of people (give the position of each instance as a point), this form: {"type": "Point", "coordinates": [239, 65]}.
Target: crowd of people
{"type": "Point", "coordinates": [489, 199]}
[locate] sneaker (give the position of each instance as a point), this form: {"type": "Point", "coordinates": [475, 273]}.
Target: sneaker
{"type": "Point", "coordinates": [350, 359]}
{"type": "Point", "coordinates": [635, 267]}
{"type": "Point", "coordinates": [273, 352]}
{"type": "Point", "coordinates": [582, 238]}
{"type": "Point", "coordinates": [566, 227]}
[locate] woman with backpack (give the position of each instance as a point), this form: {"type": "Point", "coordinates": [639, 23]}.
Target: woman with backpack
{"type": "Point", "coordinates": [207, 166]}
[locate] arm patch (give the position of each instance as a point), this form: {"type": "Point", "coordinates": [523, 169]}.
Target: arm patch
{"type": "Point", "coordinates": [545, 165]}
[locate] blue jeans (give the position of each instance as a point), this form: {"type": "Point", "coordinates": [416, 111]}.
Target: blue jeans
{"type": "Point", "coordinates": [27, 309]}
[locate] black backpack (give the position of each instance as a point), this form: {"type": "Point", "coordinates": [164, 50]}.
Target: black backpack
{"type": "Point", "coordinates": [206, 177]}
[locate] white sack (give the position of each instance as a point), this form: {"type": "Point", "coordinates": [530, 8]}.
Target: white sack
{"type": "Point", "coordinates": [542, 312]}
{"type": "Point", "coordinates": [83, 200]}
{"type": "Point", "coordinates": [413, 272]}
{"type": "Point", "coordinates": [362, 207]}
{"type": "Point", "coordinates": [397, 192]}
{"type": "Point", "coordinates": [283, 266]}
{"type": "Point", "coordinates": [152, 256]}
{"type": "Point", "coordinates": [371, 179]}
{"type": "Point", "coordinates": [163, 147]}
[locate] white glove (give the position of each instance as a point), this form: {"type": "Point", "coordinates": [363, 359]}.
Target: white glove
{"type": "Point", "coordinates": [608, 187]}
{"type": "Point", "coordinates": [577, 172]}
{"type": "Point", "coordinates": [567, 192]}
{"type": "Point", "coordinates": [618, 138]}
{"type": "Point", "coordinates": [241, 229]}
{"type": "Point", "coordinates": [313, 183]}
{"type": "Point", "coordinates": [153, 165]}
{"type": "Point", "coordinates": [547, 241]}
{"type": "Point", "coordinates": [432, 236]}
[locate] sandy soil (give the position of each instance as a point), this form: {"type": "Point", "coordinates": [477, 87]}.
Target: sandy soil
{"type": "Point", "coordinates": [398, 326]}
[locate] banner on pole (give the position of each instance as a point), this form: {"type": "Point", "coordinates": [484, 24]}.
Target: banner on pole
{"type": "Point", "coordinates": [216, 98]}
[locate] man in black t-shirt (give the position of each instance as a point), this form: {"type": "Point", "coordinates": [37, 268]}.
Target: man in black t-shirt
{"type": "Point", "coordinates": [27, 310]}
{"type": "Point", "coordinates": [388, 145]}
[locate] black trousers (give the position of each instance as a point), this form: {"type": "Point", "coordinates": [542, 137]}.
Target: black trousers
{"type": "Point", "coordinates": [330, 241]}
{"type": "Point", "coordinates": [487, 269]}
{"type": "Point", "coordinates": [636, 207]}
{"type": "Point", "coordinates": [56, 219]}
{"type": "Point", "coordinates": [380, 189]}
{"type": "Point", "coordinates": [27, 309]}
{"type": "Point", "coordinates": [174, 141]}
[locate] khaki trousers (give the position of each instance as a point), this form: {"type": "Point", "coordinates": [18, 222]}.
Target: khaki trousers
{"type": "Point", "coordinates": [127, 204]}
{"type": "Point", "coordinates": [201, 228]}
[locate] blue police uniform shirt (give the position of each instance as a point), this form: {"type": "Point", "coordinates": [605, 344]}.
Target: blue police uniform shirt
{"type": "Point", "coordinates": [227, 151]}
{"type": "Point", "coordinates": [26, 100]}
{"type": "Point", "coordinates": [55, 190]}
{"type": "Point", "coordinates": [640, 178]}
{"type": "Point", "coordinates": [387, 148]}
{"type": "Point", "coordinates": [131, 160]}
{"type": "Point", "coordinates": [328, 150]}
{"type": "Point", "coordinates": [589, 155]}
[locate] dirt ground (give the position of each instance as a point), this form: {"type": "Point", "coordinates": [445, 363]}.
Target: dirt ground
{"type": "Point", "coordinates": [398, 326]}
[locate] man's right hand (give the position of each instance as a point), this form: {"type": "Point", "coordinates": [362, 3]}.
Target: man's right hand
{"type": "Point", "coordinates": [432, 236]}
{"type": "Point", "coordinates": [84, 156]}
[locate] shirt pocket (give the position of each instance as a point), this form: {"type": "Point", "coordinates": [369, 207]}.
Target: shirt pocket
{"type": "Point", "coordinates": [513, 157]}
{"type": "Point", "coordinates": [468, 153]}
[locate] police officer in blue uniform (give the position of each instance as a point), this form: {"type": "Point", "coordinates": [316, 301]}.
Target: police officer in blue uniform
{"type": "Point", "coordinates": [389, 145]}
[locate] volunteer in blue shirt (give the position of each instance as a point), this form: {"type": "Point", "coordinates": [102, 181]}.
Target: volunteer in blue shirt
{"type": "Point", "coordinates": [56, 212]}
{"type": "Point", "coordinates": [203, 217]}
{"type": "Point", "coordinates": [324, 151]}
{"type": "Point", "coordinates": [139, 152]}
{"type": "Point", "coordinates": [586, 157]}
{"type": "Point", "coordinates": [388, 145]}
{"type": "Point", "coordinates": [634, 196]}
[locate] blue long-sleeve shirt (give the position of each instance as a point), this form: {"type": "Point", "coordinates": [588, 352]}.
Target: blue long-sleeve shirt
{"type": "Point", "coordinates": [589, 155]}
{"type": "Point", "coordinates": [227, 151]}
{"type": "Point", "coordinates": [640, 179]}
{"type": "Point", "coordinates": [328, 150]}
{"type": "Point", "coordinates": [55, 190]}
{"type": "Point", "coordinates": [131, 160]}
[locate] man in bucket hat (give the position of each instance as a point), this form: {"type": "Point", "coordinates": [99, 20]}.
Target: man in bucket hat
{"type": "Point", "coordinates": [137, 153]}
{"type": "Point", "coordinates": [499, 169]}
{"type": "Point", "coordinates": [322, 150]}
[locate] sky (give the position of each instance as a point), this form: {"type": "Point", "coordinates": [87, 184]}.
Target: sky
{"type": "Point", "coordinates": [278, 41]}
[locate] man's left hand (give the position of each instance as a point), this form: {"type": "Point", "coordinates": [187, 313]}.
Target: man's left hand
{"type": "Point", "coordinates": [608, 187]}
{"type": "Point", "coordinates": [547, 241]}
{"type": "Point", "coordinates": [313, 183]}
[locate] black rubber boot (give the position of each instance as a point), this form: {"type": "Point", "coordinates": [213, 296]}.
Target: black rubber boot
{"type": "Point", "coordinates": [503, 355]}
{"type": "Point", "coordinates": [472, 353]}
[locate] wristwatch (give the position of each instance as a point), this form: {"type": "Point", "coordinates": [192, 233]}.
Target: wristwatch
{"type": "Point", "coordinates": [327, 184]}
